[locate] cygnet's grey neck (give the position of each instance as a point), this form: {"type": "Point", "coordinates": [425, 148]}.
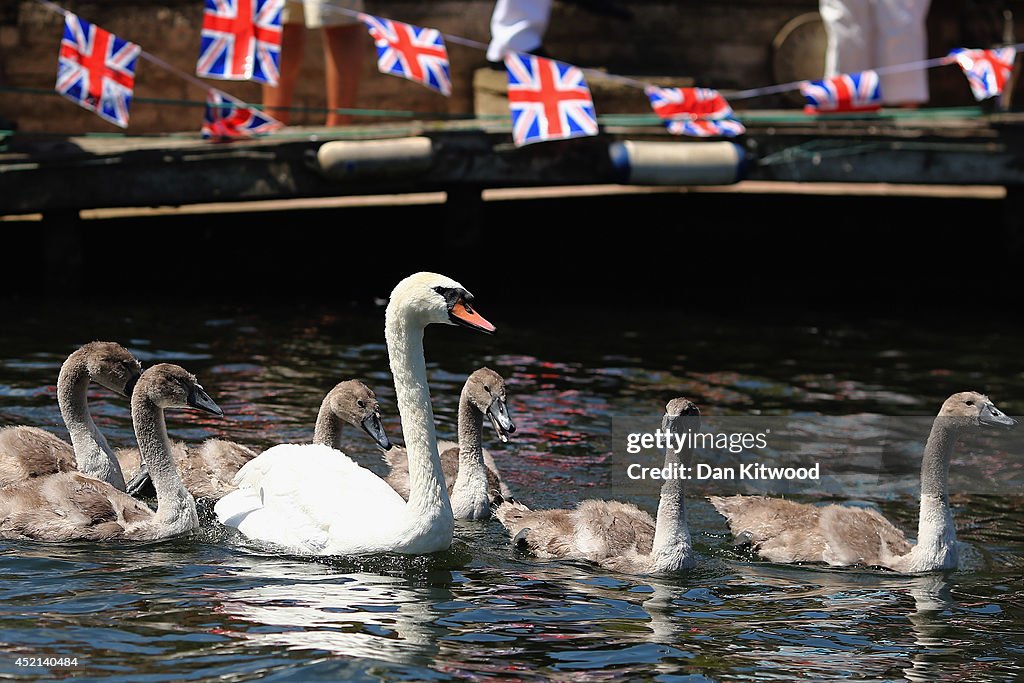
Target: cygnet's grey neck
{"type": "Point", "coordinates": [155, 449]}
{"type": "Point", "coordinates": [92, 452]}
{"type": "Point", "coordinates": [470, 499]}
{"type": "Point", "coordinates": [328, 427]}
{"type": "Point", "coordinates": [672, 545]}
{"type": "Point", "coordinates": [936, 530]}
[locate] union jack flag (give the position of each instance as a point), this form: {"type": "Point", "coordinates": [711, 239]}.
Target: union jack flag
{"type": "Point", "coordinates": [861, 91]}
{"type": "Point", "coordinates": [241, 40]}
{"type": "Point", "coordinates": [411, 52]}
{"type": "Point", "coordinates": [226, 118]}
{"type": "Point", "coordinates": [987, 70]}
{"type": "Point", "coordinates": [549, 100]}
{"type": "Point", "coordinates": [706, 128]}
{"type": "Point", "coordinates": [688, 103]}
{"type": "Point", "coordinates": [96, 69]}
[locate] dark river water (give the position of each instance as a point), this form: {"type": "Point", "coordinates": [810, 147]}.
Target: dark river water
{"type": "Point", "coordinates": [211, 607]}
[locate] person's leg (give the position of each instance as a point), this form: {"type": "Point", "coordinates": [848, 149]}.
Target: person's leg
{"type": "Point", "coordinates": [293, 44]}
{"type": "Point", "coordinates": [345, 41]}
{"type": "Point", "coordinates": [849, 28]}
{"type": "Point", "coordinates": [518, 26]}
{"type": "Point", "coordinates": [344, 50]}
{"type": "Point", "coordinates": [902, 29]}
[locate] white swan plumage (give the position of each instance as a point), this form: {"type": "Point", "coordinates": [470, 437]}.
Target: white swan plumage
{"type": "Point", "coordinates": [208, 469]}
{"type": "Point", "coordinates": [320, 508]}
{"type": "Point", "coordinates": [474, 483]}
{"type": "Point", "coordinates": [313, 499]}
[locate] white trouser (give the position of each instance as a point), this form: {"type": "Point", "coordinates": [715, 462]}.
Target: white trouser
{"type": "Point", "coordinates": [517, 26]}
{"type": "Point", "coordinates": [867, 34]}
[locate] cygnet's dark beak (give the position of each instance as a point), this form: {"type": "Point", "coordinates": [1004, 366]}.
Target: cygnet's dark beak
{"type": "Point", "coordinates": [199, 399]}
{"type": "Point", "coordinates": [373, 427]}
{"type": "Point", "coordinates": [993, 417]}
{"type": "Point", "coordinates": [498, 413]}
{"type": "Point", "coordinates": [141, 486]}
{"type": "Point", "coordinates": [129, 386]}
{"type": "Point", "coordinates": [688, 420]}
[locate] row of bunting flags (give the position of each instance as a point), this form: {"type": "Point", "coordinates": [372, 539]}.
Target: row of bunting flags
{"type": "Point", "coordinates": [548, 99]}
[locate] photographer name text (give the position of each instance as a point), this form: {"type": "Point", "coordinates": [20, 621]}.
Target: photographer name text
{"type": "Point", "coordinates": [705, 472]}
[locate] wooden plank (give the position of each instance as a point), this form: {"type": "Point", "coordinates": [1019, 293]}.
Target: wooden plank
{"type": "Point", "coordinates": [69, 174]}
{"type": "Point", "coordinates": [96, 173]}
{"type": "Point", "coordinates": [924, 149]}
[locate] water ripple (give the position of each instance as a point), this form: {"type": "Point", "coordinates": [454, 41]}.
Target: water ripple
{"type": "Point", "coordinates": [212, 607]}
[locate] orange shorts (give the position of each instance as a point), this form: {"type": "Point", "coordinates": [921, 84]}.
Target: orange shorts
{"type": "Point", "coordinates": [318, 13]}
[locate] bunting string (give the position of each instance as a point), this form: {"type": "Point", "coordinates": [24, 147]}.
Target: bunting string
{"type": "Point", "coordinates": [226, 101]}
{"type": "Point", "coordinates": [548, 99]}
{"type": "Point", "coordinates": [151, 58]}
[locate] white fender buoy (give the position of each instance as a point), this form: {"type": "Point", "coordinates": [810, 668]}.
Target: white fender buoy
{"type": "Point", "coordinates": [359, 159]}
{"type": "Point", "coordinates": [678, 163]}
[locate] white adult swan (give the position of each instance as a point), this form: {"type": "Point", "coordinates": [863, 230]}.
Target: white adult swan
{"type": "Point", "coordinates": [70, 506]}
{"type": "Point", "coordinates": [841, 535]}
{"type": "Point", "coordinates": [313, 499]}
{"type": "Point", "coordinates": [209, 468]}
{"type": "Point", "coordinates": [612, 534]}
{"type": "Point", "coordinates": [470, 472]}
{"type": "Point", "coordinates": [29, 452]}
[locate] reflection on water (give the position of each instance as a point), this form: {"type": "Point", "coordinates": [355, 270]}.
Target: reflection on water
{"type": "Point", "coordinates": [211, 605]}
{"type": "Point", "coordinates": [301, 607]}
{"type": "Point", "coordinates": [933, 633]}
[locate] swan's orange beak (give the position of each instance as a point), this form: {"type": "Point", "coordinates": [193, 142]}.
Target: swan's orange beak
{"type": "Point", "coordinates": [464, 314]}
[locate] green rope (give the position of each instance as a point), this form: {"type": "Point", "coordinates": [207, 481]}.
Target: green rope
{"type": "Point", "coordinates": [383, 113]}
{"type": "Point", "coordinates": [753, 116]}
{"type": "Point", "coordinates": [620, 120]}
{"type": "Point", "coordinates": [829, 149]}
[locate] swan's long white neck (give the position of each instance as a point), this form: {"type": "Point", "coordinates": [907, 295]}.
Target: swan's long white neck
{"type": "Point", "coordinates": [469, 493]}
{"type": "Point", "coordinates": [936, 532]}
{"type": "Point", "coordinates": [672, 548]}
{"type": "Point", "coordinates": [328, 427]}
{"type": "Point", "coordinates": [429, 508]}
{"type": "Point", "coordinates": [92, 452]}
{"type": "Point", "coordinates": [175, 506]}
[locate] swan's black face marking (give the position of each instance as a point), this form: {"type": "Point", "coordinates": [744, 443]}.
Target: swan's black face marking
{"type": "Point", "coordinates": [460, 309]}
{"type": "Point", "coordinates": [452, 295]}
